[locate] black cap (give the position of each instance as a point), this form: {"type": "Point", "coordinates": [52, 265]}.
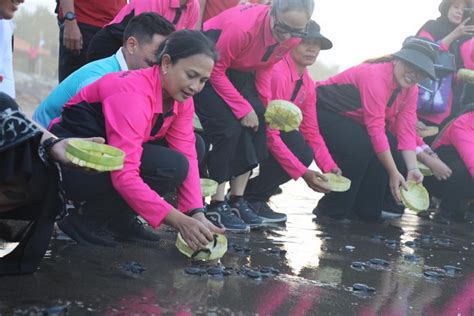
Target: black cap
{"type": "Point", "coordinates": [313, 31]}
{"type": "Point", "coordinates": [420, 54]}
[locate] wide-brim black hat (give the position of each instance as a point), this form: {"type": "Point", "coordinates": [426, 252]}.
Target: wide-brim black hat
{"type": "Point", "coordinates": [313, 31]}
{"type": "Point", "coordinates": [15, 127]}
{"type": "Point", "coordinates": [420, 55]}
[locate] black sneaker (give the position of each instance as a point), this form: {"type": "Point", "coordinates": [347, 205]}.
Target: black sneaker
{"type": "Point", "coordinates": [221, 215]}
{"type": "Point", "coordinates": [133, 229]}
{"type": "Point", "coordinates": [242, 209]}
{"type": "Point", "coordinates": [86, 231]}
{"type": "Point", "coordinates": [266, 213]}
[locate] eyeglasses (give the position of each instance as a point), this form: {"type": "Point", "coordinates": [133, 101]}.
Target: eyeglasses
{"type": "Point", "coordinates": [282, 28]}
{"type": "Point", "coordinates": [17, 2]}
{"type": "Point", "coordinates": [419, 74]}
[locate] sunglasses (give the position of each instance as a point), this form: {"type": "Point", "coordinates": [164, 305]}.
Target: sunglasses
{"type": "Point", "coordinates": [17, 2]}
{"type": "Point", "coordinates": [282, 28]}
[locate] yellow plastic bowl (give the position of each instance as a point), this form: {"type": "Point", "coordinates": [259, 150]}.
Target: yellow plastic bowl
{"type": "Point", "coordinates": [466, 75]}
{"type": "Point", "coordinates": [416, 198]}
{"type": "Point", "coordinates": [214, 250]}
{"type": "Point", "coordinates": [337, 183]}
{"type": "Point", "coordinates": [429, 131]}
{"type": "Point", "coordinates": [283, 115]}
{"type": "Point", "coordinates": [424, 169]}
{"type": "Point", "coordinates": [208, 187]}
{"type": "Point", "coordinates": [96, 156]}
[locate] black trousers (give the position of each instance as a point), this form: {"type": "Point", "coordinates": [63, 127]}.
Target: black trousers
{"type": "Point", "coordinates": [163, 169]}
{"type": "Point", "coordinates": [456, 188]}
{"type": "Point", "coordinates": [352, 150]}
{"type": "Point", "coordinates": [68, 60]}
{"type": "Point", "coordinates": [235, 149]}
{"type": "Point", "coordinates": [272, 174]}
{"type": "Point", "coordinates": [104, 44]}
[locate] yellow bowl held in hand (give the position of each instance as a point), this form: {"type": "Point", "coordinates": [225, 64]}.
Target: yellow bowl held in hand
{"type": "Point", "coordinates": [95, 156]}
{"type": "Point", "coordinates": [424, 169]}
{"type": "Point", "coordinates": [466, 75]}
{"type": "Point", "coordinates": [337, 183]}
{"type": "Point", "coordinates": [208, 187]}
{"type": "Point", "coordinates": [216, 249]}
{"type": "Point", "coordinates": [197, 124]}
{"type": "Point", "coordinates": [416, 198]}
{"type": "Point", "coordinates": [428, 131]}
{"type": "Point", "coordinates": [283, 115]}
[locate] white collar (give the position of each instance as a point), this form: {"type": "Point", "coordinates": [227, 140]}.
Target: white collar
{"type": "Point", "coordinates": [121, 60]}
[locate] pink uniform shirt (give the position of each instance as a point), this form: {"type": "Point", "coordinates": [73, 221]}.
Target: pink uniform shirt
{"type": "Point", "coordinates": [166, 8]}
{"type": "Point", "coordinates": [467, 53]}
{"type": "Point", "coordinates": [363, 93]}
{"type": "Point", "coordinates": [460, 134]}
{"type": "Point", "coordinates": [284, 80]}
{"type": "Point", "coordinates": [244, 40]}
{"type": "Point", "coordinates": [131, 103]}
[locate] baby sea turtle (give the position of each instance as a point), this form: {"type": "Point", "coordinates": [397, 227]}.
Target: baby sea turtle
{"type": "Point", "coordinates": [433, 275]}
{"type": "Point", "coordinates": [56, 311]}
{"type": "Point", "coordinates": [391, 242]}
{"type": "Point", "coordinates": [444, 242]}
{"type": "Point", "coordinates": [378, 238]}
{"type": "Point", "coordinates": [215, 270]}
{"type": "Point", "coordinates": [269, 271]}
{"type": "Point", "coordinates": [362, 288]}
{"type": "Point", "coordinates": [133, 267]}
{"type": "Point", "coordinates": [452, 270]}
{"type": "Point", "coordinates": [277, 251]}
{"type": "Point", "coordinates": [379, 262]}
{"type": "Point", "coordinates": [358, 265]}
{"type": "Point", "coordinates": [411, 258]}
{"type": "Point", "coordinates": [349, 248]}
{"type": "Point", "coordinates": [254, 274]}
{"type": "Point", "coordinates": [194, 271]}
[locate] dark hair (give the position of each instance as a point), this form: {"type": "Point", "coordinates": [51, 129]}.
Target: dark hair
{"type": "Point", "coordinates": [380, 60]}
{"type": "Point", "coordinates": [186, 43]}
{"type": "Point", "coordinates": [446, 4]}
{"type": "Point", "coordinates": [281, 6]}
{"type": "Point", "coordinates": [144, 26]}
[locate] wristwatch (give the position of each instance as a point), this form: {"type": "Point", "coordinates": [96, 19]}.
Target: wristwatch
{"type": "Point", "coordinates": [70, 16]}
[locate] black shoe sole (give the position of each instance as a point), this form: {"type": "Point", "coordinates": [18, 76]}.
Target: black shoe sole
{"type": "Point", "coordinates": [273, 220]}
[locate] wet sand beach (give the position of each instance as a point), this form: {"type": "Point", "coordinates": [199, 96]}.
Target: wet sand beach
{"type": "Point", "coordinates": [318, 269]}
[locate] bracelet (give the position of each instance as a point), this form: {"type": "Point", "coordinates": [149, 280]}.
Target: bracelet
{"type": "Point", "coordinates": [45, 149]}
{"type": "Point", "coordinates": [414, 168]}
{"type": "Point", "coordinates": [194, 211]}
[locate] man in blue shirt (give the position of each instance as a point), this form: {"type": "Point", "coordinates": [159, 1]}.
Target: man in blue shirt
{"type": "Point", "coordinates": [141, 40]}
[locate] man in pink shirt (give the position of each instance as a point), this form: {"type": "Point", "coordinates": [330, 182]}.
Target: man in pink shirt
{"type": "Point", "coordinates": [455, 146]}
{"type": "Point", "coordinates": [292, 152]}
{"type": "Point", "coordinates": [184, 14]}
{"type": "Point", "coordinates": [250, 39]}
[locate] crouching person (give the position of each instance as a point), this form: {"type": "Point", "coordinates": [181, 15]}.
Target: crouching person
{"type": "Point", "coordinates": [455, 146]}
{"type": "Point", "coordinates": [149, 115]}
{"type": "Point", "coordinates": [292, 152]}
{"type": "Point", "coordinates": [28, 187]}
